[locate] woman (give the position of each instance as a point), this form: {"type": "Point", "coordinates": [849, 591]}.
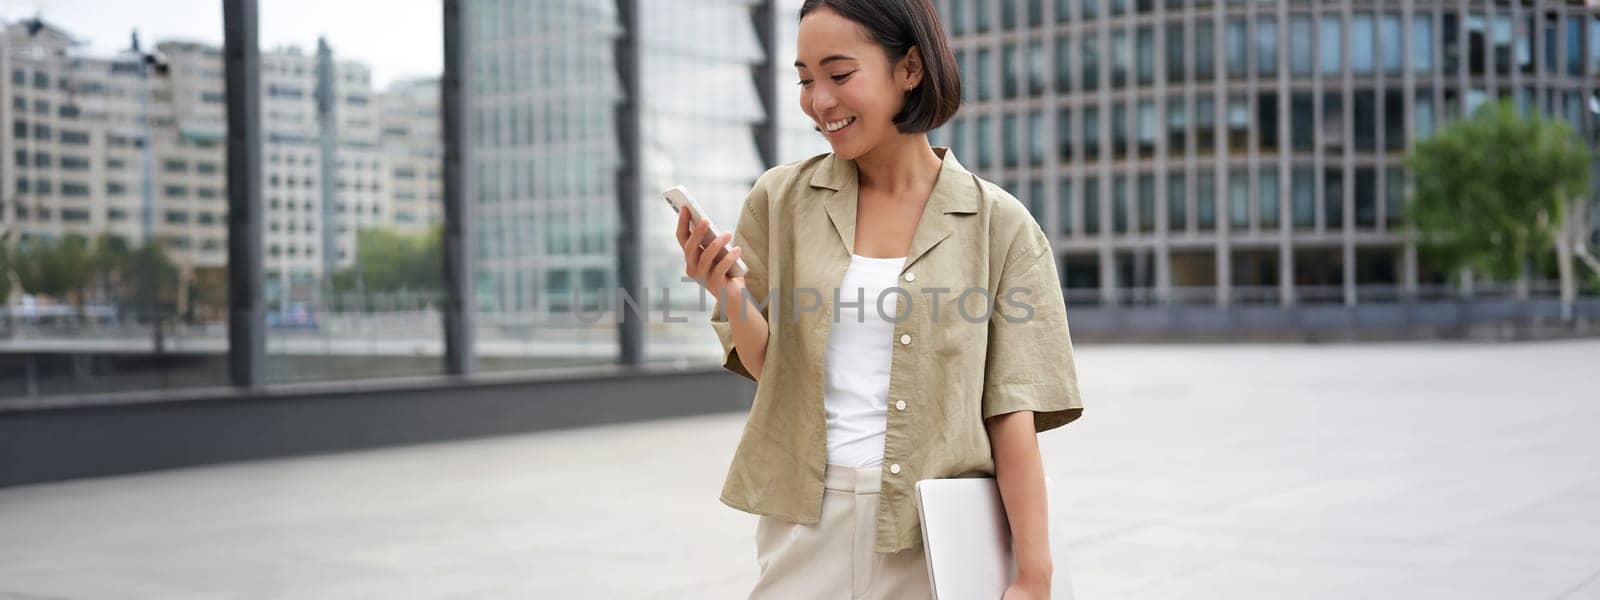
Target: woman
{"type": "Point", "coordinates": [896, 310]}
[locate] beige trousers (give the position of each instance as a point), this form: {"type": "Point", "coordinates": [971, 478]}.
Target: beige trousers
{"type": "Point", "coordinates": [834, 558]}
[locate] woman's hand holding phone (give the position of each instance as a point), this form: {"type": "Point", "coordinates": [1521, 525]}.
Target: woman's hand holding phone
{"type": "Point", "coordinates": [702, 264]}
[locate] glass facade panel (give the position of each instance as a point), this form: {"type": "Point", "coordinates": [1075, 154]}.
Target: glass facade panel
{"type": "Point", "coordinates": [1267, 46]}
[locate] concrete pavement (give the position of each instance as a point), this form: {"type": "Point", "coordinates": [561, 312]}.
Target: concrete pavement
{"type": "Point", "coordinates": [1439, 470]}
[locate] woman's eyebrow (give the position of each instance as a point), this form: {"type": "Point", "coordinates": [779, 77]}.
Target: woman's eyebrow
{"type": "Point", "coordinates": [824, 61]}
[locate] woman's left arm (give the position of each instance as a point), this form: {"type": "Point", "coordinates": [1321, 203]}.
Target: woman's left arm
{"type": "Point", "coordinates": [1020, 474]}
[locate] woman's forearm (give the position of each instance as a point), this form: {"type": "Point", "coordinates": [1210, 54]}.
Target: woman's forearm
{"type": "Point", "coordinates": [750, 328]}
{"type": "Point", "coordinates": [1019, 472]}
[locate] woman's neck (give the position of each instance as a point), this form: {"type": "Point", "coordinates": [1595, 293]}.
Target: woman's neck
{"type": "Point", "coordinates": [905, 163]}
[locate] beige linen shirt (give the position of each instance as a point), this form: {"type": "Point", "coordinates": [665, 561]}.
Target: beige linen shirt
{"type": "Point", "coordinates": [981, 331]}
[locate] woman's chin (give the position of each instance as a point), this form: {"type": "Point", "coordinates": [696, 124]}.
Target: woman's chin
{"type": "Point", "coordinates": [845, 150]}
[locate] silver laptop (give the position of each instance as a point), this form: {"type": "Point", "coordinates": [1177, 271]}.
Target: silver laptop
{"type": "Point", "coordinates": [968, 540]}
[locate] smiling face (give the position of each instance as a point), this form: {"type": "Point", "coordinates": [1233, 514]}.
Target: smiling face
{"type": "Point", "coordinates": [848, 86]}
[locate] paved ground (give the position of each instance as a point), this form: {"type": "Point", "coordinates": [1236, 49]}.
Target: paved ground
{"type": "Point", "coordinates": [1372, 471]}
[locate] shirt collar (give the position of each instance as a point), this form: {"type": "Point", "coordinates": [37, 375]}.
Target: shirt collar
{"type": "Point", "coordinates": [954, 193]}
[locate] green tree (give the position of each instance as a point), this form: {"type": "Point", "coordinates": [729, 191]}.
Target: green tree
{"type": "Point", "coordinates": [57, 267]}
{"type": "Point", "coordinates": [389, 261]}
{"type": "Point", "coordinates": [1494, 192]}
{"type": "Point", "coordinates": [5, 274]}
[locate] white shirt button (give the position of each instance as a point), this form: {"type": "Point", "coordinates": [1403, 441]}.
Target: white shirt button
{"type": "Point", "coordinates": [905, 339]}
{"type": "Point", "coordinates": [895, 468]}
{"type": "Point", "coordinates": [900, 404]}
{"type": "Point", "coordinates": [911, 276]}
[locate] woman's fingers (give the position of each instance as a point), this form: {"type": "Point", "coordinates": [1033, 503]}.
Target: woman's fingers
{"type": "Point", "coordinates": [725, 265]}
{"type": "Point", "coordinates": [708, 259]}
{"type": "Point", "coordinates": [691, 249]}
{"type": "Point", "coordinates": [683, 226]}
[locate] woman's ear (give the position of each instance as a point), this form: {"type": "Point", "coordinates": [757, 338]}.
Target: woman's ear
{"type": "Point", "coordinates": [911, 68]}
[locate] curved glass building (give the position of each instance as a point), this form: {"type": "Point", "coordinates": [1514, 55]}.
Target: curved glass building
{"type": "Point", "coordinates": [1245, 152]}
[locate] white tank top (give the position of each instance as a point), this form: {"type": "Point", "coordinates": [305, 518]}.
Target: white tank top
{"type": "Point", "coordinates": [860, 345]}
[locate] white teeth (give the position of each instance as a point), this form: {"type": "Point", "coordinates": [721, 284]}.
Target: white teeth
{"type": "Point", "coordinates": [837, 125]}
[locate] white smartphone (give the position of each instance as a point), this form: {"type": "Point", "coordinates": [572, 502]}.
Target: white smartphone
{"type": "Point", "coordinates": [679, 199]}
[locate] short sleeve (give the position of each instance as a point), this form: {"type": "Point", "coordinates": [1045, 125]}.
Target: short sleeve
{"type": "Point", "coordinates": [1030, 364]}
{"type": "Point", "coordinates": [750, 233]}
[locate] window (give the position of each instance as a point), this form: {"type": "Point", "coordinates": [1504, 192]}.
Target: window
{"type": "Point", "coordinates": [1362, 39]}
{"type": "Point", "coordinates": [1304, 190]}
{"type": "Point", "coordinates": [1238, 49]}
{"type": "Point", "coordinates": [1205, 118]}
{"type": "Point", "coordinates": [1575, 45]}
{"type": "Point", "coordinates": [1267, 121]}
{"type": "Point", "coordinates": [985, 141]}
{"type": "Point", "coordinates": [1010, 71]}
{"type": "Point", "coordinates": [1477, 44]}
{"type": "Point", "coordinates": [1394, 120]}
{"type": "Point", "coordinates": [1390, 44]}
{"type": "Point", "coordinates": [1332, 45]}
{"type": "Point", "coordinates": [1267, 46]}
{"type": "Point", "coordinates": [1036, 146]}
{"type": "Point", "coordinates": [1147, 128]}
{"type": "Point", "coordinates": [74, 189]}
{"type": "Point", "coordinates": [1300, 44]}
{"type": "Point", "coordinates": [1238, 124]}
{"type": "Point", "coordinates": [1090, 55]}
{"type": "Point", "coordinates": [1177, 203]}
{"type": "Point", "coordinates": [1267, 191]}
{"type": "Point", "coordinates": [1175, 52]}
{"type": "Point", "coordinates": [1422, 42]}
{"type": "Point", "coordinates": [1147, 203]}
{"type": "Point", "coordinates": [1064, 206]}
{"type": "Point", "coordinates": [1333, 120]}
{"type": "Point", "coordinates": [1177, 126]}
{"type": "Point", "coordinates": [1204, 50]}
{"type": "Point", "coordinates": [1063, 65]}
{"type": "Point", "coordinates": [1502, 44]}
{"type": "Point", "coordinates": [1009, 139]}
{"type": "Point", "coordinates": [1206, 200]}
{"type": "Point", "coordinates": [1036, 66]}
{"type": "Point", "coordinates": [1366, 198]}
{"type": "Point", "coordinates": [1119, 130]}
{"type": "Point", "coordinates": [1239, 199]}
{"type": "Point", "coordinates": [1145, 59]}
{"type": "Point", "coordinates": [1035, 201]}
{"type": "Point", "coordinates": [1333, 199]}
{"type": "Point", "coordinates": [1064, 134]}
{"type": "Point", "coordinates": [1423, 110]}
{"type": "Point", "coordinates": [1366, 120]}
{"type": "Point", "coordinates": [1091, 206]}
{"type": "Point", "coordinates": [175, 166]}
{"type": "Point", "coordinates": [1394, 184]}
{"type": "Point", "coordinates": [1121, 55]}
{"type": "Point", "coordinates": [1119, 204]}
{"type": "Point", "coordinates": [1091, 133]}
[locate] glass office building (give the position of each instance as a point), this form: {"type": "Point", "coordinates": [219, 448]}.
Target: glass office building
{"type": "Point", "coordinates": [546, 92]}
{"type": "Point", "coordinates": [1232, 152]}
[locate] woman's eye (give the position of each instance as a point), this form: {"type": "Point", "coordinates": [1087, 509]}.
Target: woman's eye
{"type": "Point", "coordinates": [803, 82]}
{"type": "Point", "coordinates": [841, 77]}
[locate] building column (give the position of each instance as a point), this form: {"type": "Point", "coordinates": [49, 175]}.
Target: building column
{"type": "Point", "coordinates": [247, 317]}
{"type": "Point", "coordinates": [460, 304]}
{"type": "Point", "coordinates": [630, 258]}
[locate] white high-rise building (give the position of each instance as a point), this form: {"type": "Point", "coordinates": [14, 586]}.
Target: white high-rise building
{"type": "Point", "coordinates": [75, 159]}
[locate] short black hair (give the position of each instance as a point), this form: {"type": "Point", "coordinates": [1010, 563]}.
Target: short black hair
{"type": "Point", "coordinates": [897, 26]}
